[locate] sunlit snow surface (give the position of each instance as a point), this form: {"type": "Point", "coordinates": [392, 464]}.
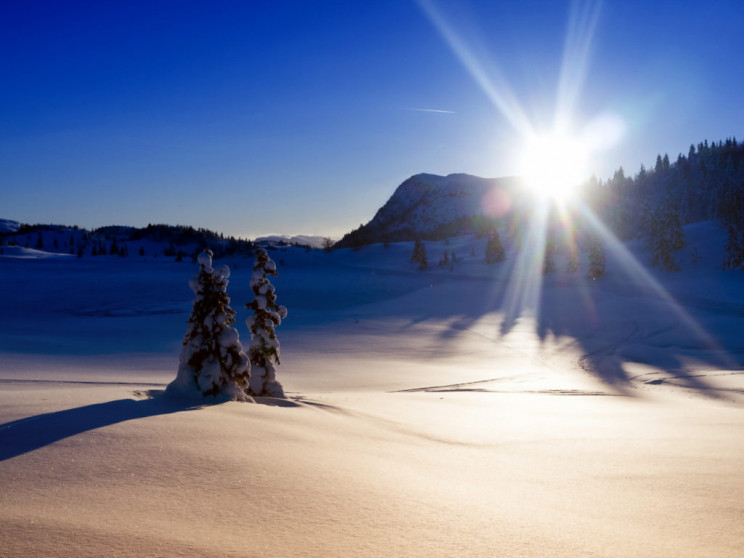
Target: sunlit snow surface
{"type": "Point", "coordinates": [424, 419]}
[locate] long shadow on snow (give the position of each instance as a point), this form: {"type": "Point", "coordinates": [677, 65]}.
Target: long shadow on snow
{"type": "Point", "coordinates": [598, 321]}
{"type": "Point", "coordinates": [33, 433]}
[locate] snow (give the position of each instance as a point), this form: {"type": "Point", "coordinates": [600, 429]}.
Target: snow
{"type": "Point", "coordinates": [425, 416]}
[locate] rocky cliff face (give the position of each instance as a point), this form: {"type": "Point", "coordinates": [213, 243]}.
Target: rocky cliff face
{"type": "Point", "coordinates": [429, 206]}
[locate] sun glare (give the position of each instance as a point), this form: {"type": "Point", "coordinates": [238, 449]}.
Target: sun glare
{"type": "Point", "coordinates": [553, 164]}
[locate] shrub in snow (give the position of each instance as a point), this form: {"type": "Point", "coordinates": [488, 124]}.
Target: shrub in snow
{"type": "Point", "coordinates": [212, 361]}
{"type": "Point", "coordinates": [264, 349]}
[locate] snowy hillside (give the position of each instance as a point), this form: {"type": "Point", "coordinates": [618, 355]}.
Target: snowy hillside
{"type": "Point", "coordinates": [153, 241]}
{"type": "Point", "coordinates": [8, 226]}
{"type": "Point", "coordinates": [432, 206]}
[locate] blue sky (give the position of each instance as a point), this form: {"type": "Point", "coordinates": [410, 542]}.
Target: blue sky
{"type": "Point", "coordinates": [275, 116]}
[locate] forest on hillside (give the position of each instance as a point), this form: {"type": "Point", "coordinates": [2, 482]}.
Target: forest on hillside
{"type": "Point", "coordinates": [707, 183]}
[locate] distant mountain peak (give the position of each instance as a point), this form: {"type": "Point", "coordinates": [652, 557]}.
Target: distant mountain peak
{"type": "Point", "coordinates": [433, 206]}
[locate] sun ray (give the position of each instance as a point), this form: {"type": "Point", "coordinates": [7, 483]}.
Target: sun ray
{"type": "Point", "coordinates": [582, 23]}
{"type": "Point", "coordinates": [525, 281]}
{"type": "Point", "coordinates": [494, 86]}
{"type": "Point", "coordinates": [639, 274]}
{"type": "Point", "coordinates": [522, 293]}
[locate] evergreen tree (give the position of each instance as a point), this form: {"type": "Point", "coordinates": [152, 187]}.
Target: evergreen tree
{"type": "Point", "coordinates": [666, 236]}
{"type": "Point", "coordinates": [40, 242]}
{"type": "Point", "coordinates": [494, 248]}
{"type": "Point", "coordinates": [572, 265]}
{"type": "Point", "coordinates": [596, 260]}
{"type": "Point", "coordinates": [548, 263]}
{"type": "Point", "coordinates": [419, 254]}
{"type": "Point", "coordinates": [445, 261]}
{"type": "Point", "coordinates": [267, 314]}
{"type": "Point", "coordinates": [734, 251]}
{"type": "Point", "coordinates": [212, 361]}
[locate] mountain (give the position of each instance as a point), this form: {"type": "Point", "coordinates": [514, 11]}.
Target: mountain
{"type": "Point", "coordinates": [8, 226]}
{"type": "Point", "coordinates": [151, 241]}
{"type": "Point", "coordinates": [299, 240]}
{"type": "Point", "coordinates": [433, 207]}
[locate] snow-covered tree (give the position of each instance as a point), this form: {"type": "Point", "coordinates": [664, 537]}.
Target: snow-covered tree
{"type": "Point", "coordinates": [596, 260]}
{"type": "Point", "coordinates": [212, 361]}
{"type": "Point", "coordinates": [419, 254]}
{"type": "Point", "coordinates": [494, 248]}
{"type": "Point", "coordinates": [267, 314]}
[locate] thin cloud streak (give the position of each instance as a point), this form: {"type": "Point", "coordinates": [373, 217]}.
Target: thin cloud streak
{"type": "Point", "coordinates": [495, 86]}
{"type": "Point", "coordinates": [432, 110]}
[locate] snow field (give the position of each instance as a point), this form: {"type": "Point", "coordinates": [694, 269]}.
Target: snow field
{"type": "Point", "coordinates": [426, 416]}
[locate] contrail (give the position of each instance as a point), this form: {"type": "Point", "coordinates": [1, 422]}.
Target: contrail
{"type": "Point", "coordinates": [433, 110]}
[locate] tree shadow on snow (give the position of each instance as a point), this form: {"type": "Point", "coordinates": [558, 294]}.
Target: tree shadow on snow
{"type": "Point", "coordinates": [610, 326]}
{"type": "Point", "coordinates": [33, 433]}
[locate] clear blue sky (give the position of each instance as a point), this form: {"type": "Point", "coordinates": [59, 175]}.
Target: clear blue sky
{"type": "Point", "coordinates": [269, 116]}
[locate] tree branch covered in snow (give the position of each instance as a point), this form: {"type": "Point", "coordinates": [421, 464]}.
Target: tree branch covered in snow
{"type": "Point", "coordinates": [212, 361]}
{"type": "Point", "coordinates": [267, 314]}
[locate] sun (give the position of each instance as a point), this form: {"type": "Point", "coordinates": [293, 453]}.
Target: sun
{"type": "Point", "coordinates": [553, 164]}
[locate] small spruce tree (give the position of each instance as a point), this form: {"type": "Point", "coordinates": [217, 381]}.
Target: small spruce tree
{"type": "Point", "coordinates": [267, 314]}
{"type": "Point", "coordinates": [734, 253]}
{"type": "Point", "coordinates": [494, 248]}
{"type": "Point", "coordinates": [548, 261]}
{"type": "Point", "coordinates": [666, 235]}
{"type": "Point", "coordinates": [445, 261]}
{"type": "Point", "coordinates": [212, 361]}
{"type": "Point", "coordinates": [419, 254]}
{"type": "Point", "coordinates": [596, 260]}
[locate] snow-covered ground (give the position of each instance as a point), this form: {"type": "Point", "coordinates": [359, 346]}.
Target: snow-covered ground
{"type": "Point", "coordinates": [461, 412]}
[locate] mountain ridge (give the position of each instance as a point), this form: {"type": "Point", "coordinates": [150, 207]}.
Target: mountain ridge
{"type": "Point", "coordinates": [432, 207]}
